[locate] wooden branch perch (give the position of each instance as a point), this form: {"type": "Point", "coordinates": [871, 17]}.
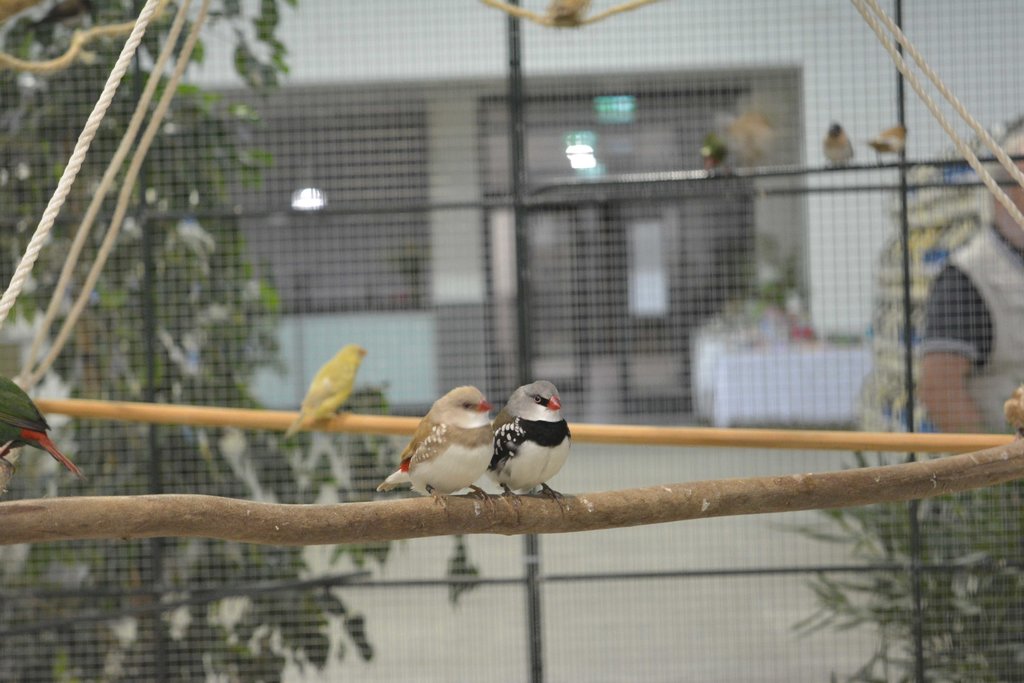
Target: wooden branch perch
{"type": "Point", "coordinates": [8, 8]}
{"type": "Point", "coordinates": [63, 519]}
{"type": "Point", "coordinates": [278, 420]}
{"type": "Point", "coordinates": [76, 50]}
{"type": "Point", "coordinates": [568, 19]}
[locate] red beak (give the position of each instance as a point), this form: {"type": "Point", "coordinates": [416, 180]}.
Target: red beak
{"type": "Point", "coordinates": [554, 403]}
{"type": "Point", "coordinates": [483, 406]}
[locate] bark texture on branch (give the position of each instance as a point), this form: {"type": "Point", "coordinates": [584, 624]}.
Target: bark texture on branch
{"type": "Point", "coordinates": [126, 517]}
{"type": "Point", "coordinates": [6, 472]}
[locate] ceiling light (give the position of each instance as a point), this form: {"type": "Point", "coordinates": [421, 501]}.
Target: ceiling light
{"type": "Point", "coordinates": [309, 199]}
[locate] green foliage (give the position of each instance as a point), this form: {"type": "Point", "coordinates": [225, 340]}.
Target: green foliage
{"type": "Point", "coordinates": [971, 573]}
{"type": "Point", "coordinates": [368, 459]}
{"type": "Point", "coordinates": [354, 625]}
{"type": "Point", "coordinates": [214, 321]}
{"type": "Point", "coordinates": [462, 569]}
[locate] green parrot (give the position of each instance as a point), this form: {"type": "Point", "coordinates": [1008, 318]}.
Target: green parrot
{"type": "Point", "coordinates": [330, 387]}
{"type": "Point", "coordinates": [21, 424]}
{"type": "Point", "coordinates": [713, 151]}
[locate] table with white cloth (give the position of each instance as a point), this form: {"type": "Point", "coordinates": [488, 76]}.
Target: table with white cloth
{"type": "Point", "coordinates": [782, 384]}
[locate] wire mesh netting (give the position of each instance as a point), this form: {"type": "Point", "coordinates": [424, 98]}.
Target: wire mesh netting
{"type": "Point", "coordinates": [640, 210]}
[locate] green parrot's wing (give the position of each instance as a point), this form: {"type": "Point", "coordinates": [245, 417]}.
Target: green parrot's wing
{"type": "Point", "coordinates": [17, 409]}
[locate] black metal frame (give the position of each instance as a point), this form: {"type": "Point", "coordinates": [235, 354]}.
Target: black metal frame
{"type": "Point", "coordinates": [521, 200]}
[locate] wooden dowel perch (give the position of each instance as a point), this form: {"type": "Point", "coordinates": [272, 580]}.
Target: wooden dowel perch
{"type": "Point", "coordinates": [793, 439]}
{"type": "Point", "coordinates": [111, 517]}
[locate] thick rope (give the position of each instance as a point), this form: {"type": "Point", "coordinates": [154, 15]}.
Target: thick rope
{"type": "Point", "coordinates": [962, 147]}
{"type": "Point", "coordinates": [109, 176]}
{"type": "Point", "coordinates": [958, 106]}
{"type": "Point", "coordinates": [124, 196]}
{"type": "Point", "coordinates": [67, 179]}
{"type": "Point", "coordinates": [617, 9]}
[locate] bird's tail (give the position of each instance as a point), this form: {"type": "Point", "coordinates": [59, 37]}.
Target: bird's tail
{"type": "Point", "coordinates": [44, 442]}
{"type": "Point", "coordinates": [295, 426]}
{"type": "Point", "coordinates": [396, 478]}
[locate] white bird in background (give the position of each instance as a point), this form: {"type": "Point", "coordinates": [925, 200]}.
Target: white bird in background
{"type": "Point", "coordinates": [531, 439]}
{"type": "Point", "coordinates": [450, 449]}
{"type": "Point", "coordinates": [750, 137]}
{"type": "Point", "coordinates": [836, 146]}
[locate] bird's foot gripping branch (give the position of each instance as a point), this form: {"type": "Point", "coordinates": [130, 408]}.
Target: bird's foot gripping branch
{"type": "Point", "coordinates": [6, 472]}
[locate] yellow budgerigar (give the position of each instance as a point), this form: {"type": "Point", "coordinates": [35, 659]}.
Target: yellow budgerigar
{"type": "Point", "coordinates": [330, 387]}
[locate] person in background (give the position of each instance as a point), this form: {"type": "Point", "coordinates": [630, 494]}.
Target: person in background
{"type": "Point", "coordinates": [973, 347]}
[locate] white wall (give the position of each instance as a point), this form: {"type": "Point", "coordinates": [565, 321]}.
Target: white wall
{"type": "Point", "coordinates": [309, 341]}
{"type": "Point", "coordinates": [847, 77]}
{"type": "Point", "coordinates": [726, 629]}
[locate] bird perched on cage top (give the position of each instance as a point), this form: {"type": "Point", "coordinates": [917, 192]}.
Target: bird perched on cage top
{"type": "Point", "coordinates": [567, 12]}
{"type": "Point", "coordinates": [531, 439]}
{"type": "Point", "coordinates": [713, 151]}
{"type": "Point", "coordinates": [750, 137]}
{"type": "Point", "coordinates": [21, 424]}
{"type": "Point", "coordinates": [836, 146]}
{"type": "Point", "coordinates": [890, 141]}
{"type": "Point", "coordinates": [330, 388]}
{"type": "Point", "coordinates": [450, 449]}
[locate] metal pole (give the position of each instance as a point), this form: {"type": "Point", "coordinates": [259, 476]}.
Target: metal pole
{"type": "Point", "coordinates": [517, 158]}
{"type": "Point", "coordinates": [908, 376]}
{"type": "Point", "coordinates": [155, 572]}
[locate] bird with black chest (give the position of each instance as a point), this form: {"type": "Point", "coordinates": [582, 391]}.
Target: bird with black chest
{"type": "Point", "coordinates": [450, 449]}
{"type": "Point", "coordinates": [531, 440]}
{"type": "Point", "coordinates": [836, 146]}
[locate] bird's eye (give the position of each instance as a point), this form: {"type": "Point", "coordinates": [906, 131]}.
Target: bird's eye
{"type": "Point", "coordinates": [467, 405]}
{"type": "Point", "coordinates": [538, 398]}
